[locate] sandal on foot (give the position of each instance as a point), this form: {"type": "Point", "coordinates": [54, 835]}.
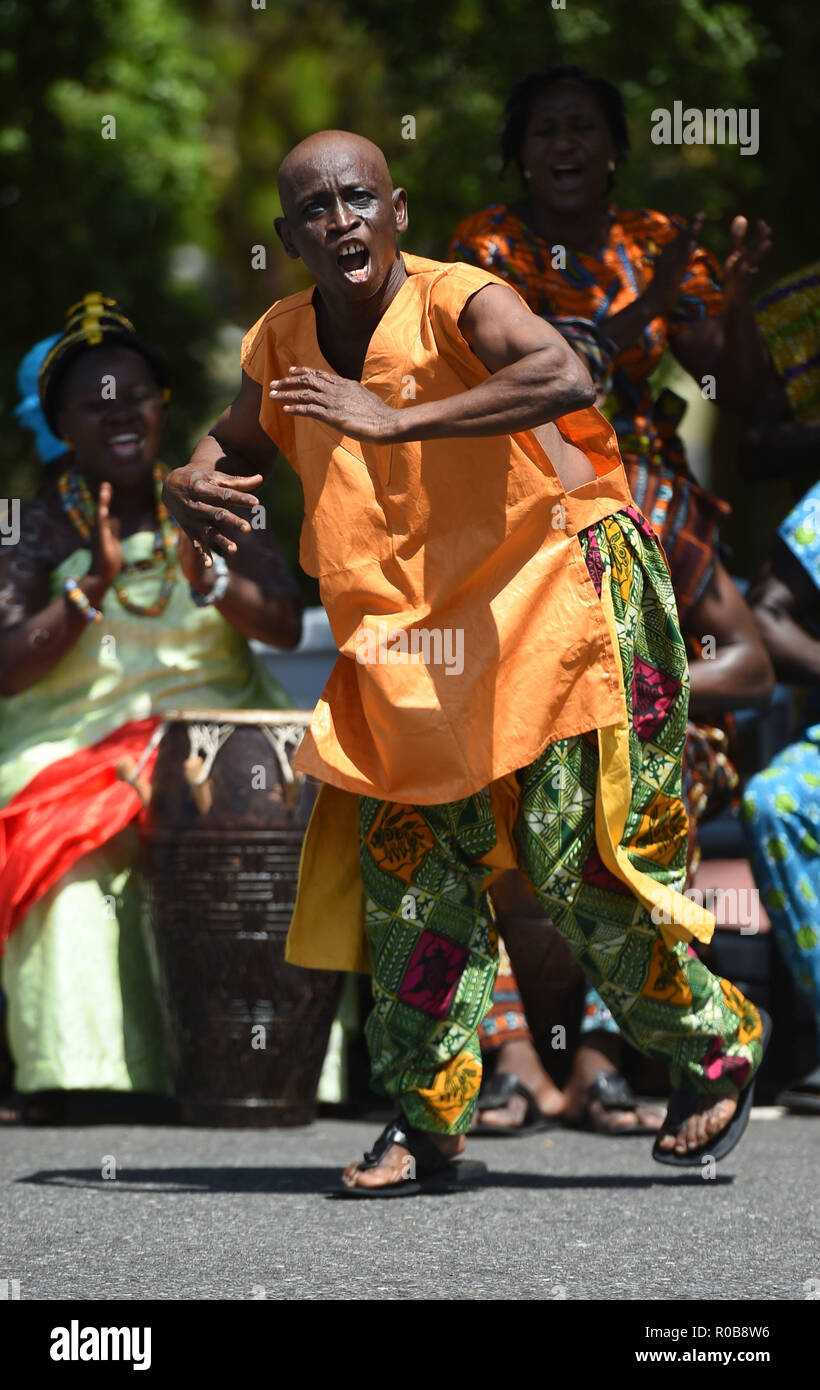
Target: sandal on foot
{"type": "Point", "coordinates": [430, 1170]}
{"type": "Point", "coordinates": [803, 1096]}
{"type": "Point", "coordinates": [683, 1104]}
{"type": "Point", "coordinates": [613, 1092]}
{"type": "Point", "coordinates": [497, 1092]}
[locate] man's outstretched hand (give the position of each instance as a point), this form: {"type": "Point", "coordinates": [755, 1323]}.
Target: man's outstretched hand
{"type": "Point", "coordinates": [344, 405]}
{"type": "Point", "coordinates": [200, 500]}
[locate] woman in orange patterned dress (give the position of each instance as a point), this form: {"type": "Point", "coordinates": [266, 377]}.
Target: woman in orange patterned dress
{"type": "Point", "coordinates": [640, 279]}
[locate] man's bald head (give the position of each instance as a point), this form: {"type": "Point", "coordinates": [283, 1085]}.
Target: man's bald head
{"type": "Point", "coordinates": [342, 216]}
{"type": "Point", "coordinates": [339, 153]}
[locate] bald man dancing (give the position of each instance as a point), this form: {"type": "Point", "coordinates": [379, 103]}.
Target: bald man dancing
{"type": "Point", "coordinates": [511, 689]}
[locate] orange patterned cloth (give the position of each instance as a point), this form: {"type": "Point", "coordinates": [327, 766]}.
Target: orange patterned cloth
{"type": "Point", "coordinates": [683, 514]}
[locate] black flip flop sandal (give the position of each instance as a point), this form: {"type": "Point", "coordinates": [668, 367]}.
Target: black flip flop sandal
{"type": "Point", "coordinates": [497, 1091]}
{"type": "Point", "coordinates": [683, 1104]}
{"type": "Point", "coordinates": [802, 1097]}
{"type": "Point", "coordinates": [431, 1171]}
{"type": "Point", "coordinates": [613, 1092]}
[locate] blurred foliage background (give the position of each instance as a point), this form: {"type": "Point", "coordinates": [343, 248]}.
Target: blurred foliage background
{"type": "Point", "coordinates": [208, 95]}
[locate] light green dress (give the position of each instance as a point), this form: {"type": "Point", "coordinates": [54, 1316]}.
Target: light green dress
{"type": "Point", "coordinates": [81, 1008]}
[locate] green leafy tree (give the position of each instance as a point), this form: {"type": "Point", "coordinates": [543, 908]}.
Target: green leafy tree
{"type": "Point", "coordinates": [83, 212]}
{"type": "Point", "coordinates": [209, 95]}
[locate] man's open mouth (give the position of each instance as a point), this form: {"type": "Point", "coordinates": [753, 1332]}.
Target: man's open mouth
{"type": "Point", "coordinates": [354, 260]}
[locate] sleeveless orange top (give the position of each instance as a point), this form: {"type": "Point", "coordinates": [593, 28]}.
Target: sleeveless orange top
{"type": "Point", "coordinates": [470, 634]}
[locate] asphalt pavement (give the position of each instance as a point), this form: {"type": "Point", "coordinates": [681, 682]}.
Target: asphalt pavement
{"type": "Point", "coordinates": [228, 1214]}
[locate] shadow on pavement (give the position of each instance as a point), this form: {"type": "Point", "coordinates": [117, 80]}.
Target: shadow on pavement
{"type": "Point", "coordinates": [180, 1180]}
{"type": "Point", "coordinates": [319, 1180]}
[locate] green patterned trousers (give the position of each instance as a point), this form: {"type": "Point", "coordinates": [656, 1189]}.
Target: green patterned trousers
{"type": "Point", "coordinates": [433, 945]}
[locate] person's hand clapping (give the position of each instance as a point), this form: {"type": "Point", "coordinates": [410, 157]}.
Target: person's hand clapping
{"type": "Point", "coordinates": [664, 291]}
{"type": "Point", "coordinates": [106, 551]}
{"type": "Point", "coordinates": [745, 256]}
{"type": "Point", "coordinates": [343, 404]}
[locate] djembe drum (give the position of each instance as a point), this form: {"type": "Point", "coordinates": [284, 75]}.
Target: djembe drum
{"type": "Point", "coordinates": [221, 837]}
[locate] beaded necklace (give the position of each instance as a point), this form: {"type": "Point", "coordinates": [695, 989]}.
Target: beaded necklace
{"type": "Point", "coordinates": [80, 507]}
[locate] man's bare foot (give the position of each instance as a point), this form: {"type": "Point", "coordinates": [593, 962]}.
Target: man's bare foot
{"type": "Point", "coordinates": [520, 1059]}
{"type": "Point", "coordinates": [601, 1052]}
{"type": "Point", "coordinates": [397, 1164]}
{"type": "Point", "coordinates": [712, 1114]}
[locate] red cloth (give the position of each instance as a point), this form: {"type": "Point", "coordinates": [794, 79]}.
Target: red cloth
{"type": "Point", "coordinates": [67, 810]}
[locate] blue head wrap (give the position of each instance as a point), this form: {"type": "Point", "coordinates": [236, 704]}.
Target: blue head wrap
{"type": "Point", "coordinates": [29, 411]}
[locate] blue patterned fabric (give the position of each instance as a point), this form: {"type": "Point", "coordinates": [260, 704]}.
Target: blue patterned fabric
{"type": "Point", "coordinates": [781, 806]}
{"type": "Point", "coordinates": [781, 811]}
{"type": "Point", "coordinates": [801, 533]}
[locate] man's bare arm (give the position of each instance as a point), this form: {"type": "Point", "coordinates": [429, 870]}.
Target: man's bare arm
{"type": "Point", "coordinates": [243, 444]}
{"type": "Point", "coordinates": [226, 465]}
{"type": "Point", "coordinates": [536, 378]}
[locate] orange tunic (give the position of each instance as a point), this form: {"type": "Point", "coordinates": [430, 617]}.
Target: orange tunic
{"type": "Point", "coordinates": [446, 536]}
